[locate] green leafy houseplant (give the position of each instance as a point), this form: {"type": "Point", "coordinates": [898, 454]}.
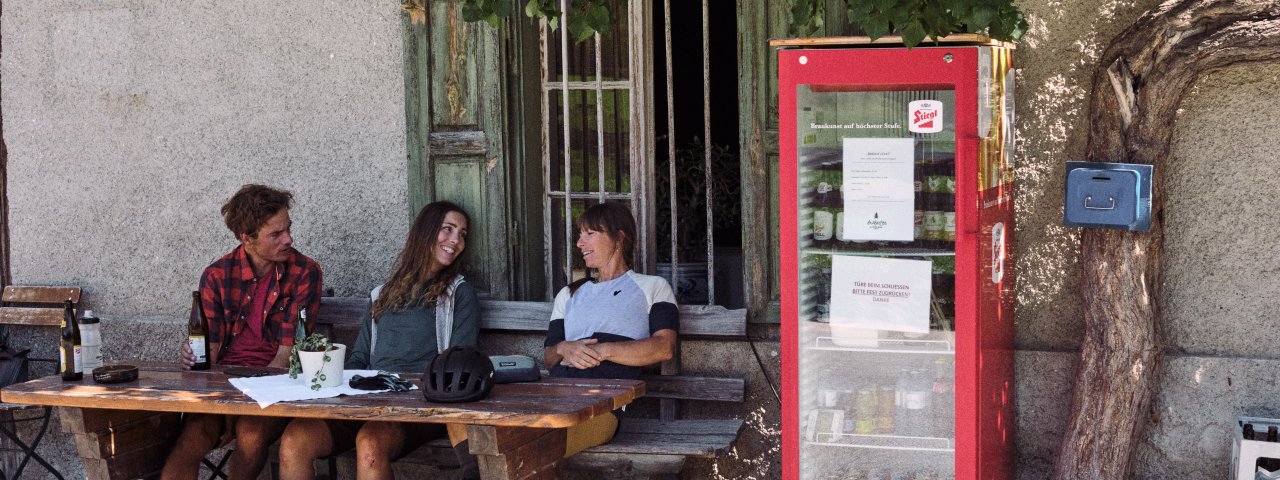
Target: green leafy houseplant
{"type": "Point", "coordinates": [915, 20]}
{"type": "Point", "coordinates": [315, 342]}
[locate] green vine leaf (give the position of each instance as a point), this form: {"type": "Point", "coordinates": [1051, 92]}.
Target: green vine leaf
{"type": "Point", "coordinates": [916, 20]}
{"type": "Point", "coordinates": [806, 17]}
{"type": "Point", "coordinates": [585, 19]}
{"type": "Point", "coordinates": [913, 34]}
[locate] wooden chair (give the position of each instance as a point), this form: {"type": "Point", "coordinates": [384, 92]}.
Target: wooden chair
{"type": "Point", "coordinates": [31, 306]}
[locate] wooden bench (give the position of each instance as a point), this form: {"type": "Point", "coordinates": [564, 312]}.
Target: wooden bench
{"type": "Point", "coordinates": [642, 446]}
{"type": "Point", "coordinates": [30, 306]}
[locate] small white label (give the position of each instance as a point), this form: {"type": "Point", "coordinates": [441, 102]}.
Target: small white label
{"type": "Point", "coordinates": [925, 116]}
{"type": "Point", "coordinates": [916, 400]}
{"type": "Point", "coordinates": [997, 252]}
{"type": "Point", "coordinates": [822, 220]}
{"type": "Point", "coordinates": [197, 348]}
{"type": "Point", "coordinates": [77, 365]}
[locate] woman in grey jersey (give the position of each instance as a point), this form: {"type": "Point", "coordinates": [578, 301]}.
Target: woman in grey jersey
{"type": "Point", "coordinates": [612, 325]}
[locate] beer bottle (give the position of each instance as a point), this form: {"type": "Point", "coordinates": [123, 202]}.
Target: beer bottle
{"type": "Point", "coordinates": [72, 367]}
{"type": "Point", "coordinates": [1248, 431]}
{"type": "Point", "coordinates": [1270, 464]}
{"type": "Point", "coordinates": [198, 334]}
{"type": "Point", "coordinates": [303, 328]}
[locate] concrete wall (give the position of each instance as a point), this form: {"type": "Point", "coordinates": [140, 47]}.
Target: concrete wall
{"type": "Point", "coordinates": [1220, 265]}
{"type": "Point", "coordinates": [130, 122]}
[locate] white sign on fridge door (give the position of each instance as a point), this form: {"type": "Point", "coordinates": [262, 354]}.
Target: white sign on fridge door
{"type": "Point", "coordinates": [880, 293]}
{"type": "Point", "coordinates": [879, 197]}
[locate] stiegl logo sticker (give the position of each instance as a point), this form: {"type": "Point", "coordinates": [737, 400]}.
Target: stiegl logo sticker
{"type": "Point", "coordinates": [925, 115]}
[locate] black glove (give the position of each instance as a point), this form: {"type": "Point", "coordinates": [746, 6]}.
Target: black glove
{"type": "Point", "coordinates": [381, 381]}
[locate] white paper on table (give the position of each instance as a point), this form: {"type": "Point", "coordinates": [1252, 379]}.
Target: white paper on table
{"type": "Point", "coordinates": [881, 293]}
{"type": "Point", "coordinates": [878, 190]}
{"type": "Point", "coordinates": [280, 388]}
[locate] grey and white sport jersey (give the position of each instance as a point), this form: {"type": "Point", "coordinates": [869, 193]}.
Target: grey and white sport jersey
{"type": "Point", "coordinates": [622, 307]}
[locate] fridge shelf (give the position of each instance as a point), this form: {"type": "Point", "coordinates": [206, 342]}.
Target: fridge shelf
{"type": "Point", "coordinates": [886, 442]}
{"type": "Point", "coordinates": [882, 252]}
{"type": "Point", "coordinates": [889, 345]}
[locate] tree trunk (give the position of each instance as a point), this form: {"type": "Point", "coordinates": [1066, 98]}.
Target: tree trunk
{"type": "Point", "coordinates": [1140, 82]}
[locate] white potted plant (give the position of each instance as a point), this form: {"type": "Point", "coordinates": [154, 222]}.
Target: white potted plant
{"type": "Point", "coordinates": [317, 360]}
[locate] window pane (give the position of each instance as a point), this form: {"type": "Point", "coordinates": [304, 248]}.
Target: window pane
{"type": "Point", "coordinates": [557, 227]}
{"type": "Point", "coordinates": [582, 55]}
{"type": "Point", "coordinates": [584, 145]}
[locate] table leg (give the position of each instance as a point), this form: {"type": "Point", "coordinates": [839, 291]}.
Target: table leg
{"type": "Point", "coordinates": [515, 453]}
{"type": "Point", "coordinates": [117, 444]}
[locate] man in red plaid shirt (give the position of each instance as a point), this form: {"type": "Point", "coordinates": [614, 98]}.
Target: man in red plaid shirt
{"type": "Point", "coordinates": [252, 298]}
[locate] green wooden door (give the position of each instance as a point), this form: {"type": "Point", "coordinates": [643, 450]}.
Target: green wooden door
{"type": "Point", "coordinates": [455, 91]}
{"type": "Point", "coordinates": [759, 21]}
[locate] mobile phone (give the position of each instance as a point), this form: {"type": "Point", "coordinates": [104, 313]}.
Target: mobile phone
{"type": "Point", "coordinates": [239, 371]}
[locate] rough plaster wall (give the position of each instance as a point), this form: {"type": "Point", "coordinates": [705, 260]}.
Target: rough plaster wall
{"type": "Point", "coordinates": [129, 123]}
{"type": "Point", "coordinates": [1219, 265]}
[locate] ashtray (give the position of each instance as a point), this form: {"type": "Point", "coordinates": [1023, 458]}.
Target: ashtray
{"type": "Point", "coordinates": [115, 374]}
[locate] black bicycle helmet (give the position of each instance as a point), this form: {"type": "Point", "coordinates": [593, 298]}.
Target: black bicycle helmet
{"type": "Point", "coordinates": [459, 374]}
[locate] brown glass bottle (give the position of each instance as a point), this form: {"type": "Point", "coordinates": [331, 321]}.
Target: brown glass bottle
{"type": "Point", "coordinates": [72, 367]}
{"type": "Point", "coordinates": [198, 334]}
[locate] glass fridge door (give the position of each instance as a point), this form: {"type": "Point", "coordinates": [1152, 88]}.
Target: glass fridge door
{"type": "Point", "coordinates": [876, 187]}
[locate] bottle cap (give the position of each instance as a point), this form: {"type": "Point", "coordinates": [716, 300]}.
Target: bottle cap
{"type": "Point", "coordinates": [88, 317]}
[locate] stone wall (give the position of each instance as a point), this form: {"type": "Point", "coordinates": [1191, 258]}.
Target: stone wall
{"type": "Point", "coordinates": [130, 122]}
{"type": "Point", "coordinates": [1219, 265]}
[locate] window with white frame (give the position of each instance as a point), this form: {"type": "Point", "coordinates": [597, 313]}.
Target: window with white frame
{"type": "Point", "coordinates": [607, 138]}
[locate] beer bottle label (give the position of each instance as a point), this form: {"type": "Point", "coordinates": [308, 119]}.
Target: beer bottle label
{"type": "Point", "coordinates": [77, 365]}
{"type": "Point", "coordinates": [197, 347]}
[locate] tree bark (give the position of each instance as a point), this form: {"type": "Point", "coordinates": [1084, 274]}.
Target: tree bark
{"type": "Point", "coordinates": [1137, 88]}
{"type": "Point", "coordinates": [5, 278]}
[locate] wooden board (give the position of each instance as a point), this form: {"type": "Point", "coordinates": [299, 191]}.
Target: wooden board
{"type": "Point", "coordinates": [653, 446]}
{"type": "Point", "coordinates": [549, 403]}
{"type": "Point", "coordinates": [154, 431]}
{"type": "Point", "coordinates": [120, 445]}
{"type": "Point", "coordinates": [517, 453]}
{"type": "Point", "coordinates": [342, 310]}
{"type": "Point", "coordinates": [698, 438]}
{"type": "Point", "coordinates": [31, 316]}
{"type": "Point", "coordinates": [695, 320]}
{"type": "Point", "coordinates": [888, 40]}
{"type": "Point", "coordinates": [694, 388]}
{"type": "Point", "coordinates": [27, 294]}
{"type": "Point", "coordinates": [614, 463]}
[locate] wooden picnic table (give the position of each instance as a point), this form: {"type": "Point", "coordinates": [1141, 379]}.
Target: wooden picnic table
{"type": "Point", "coordinates": [124, 430]}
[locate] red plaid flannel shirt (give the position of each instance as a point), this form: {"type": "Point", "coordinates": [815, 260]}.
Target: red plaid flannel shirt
{"type": "Point", "coordinates": [226, 285]}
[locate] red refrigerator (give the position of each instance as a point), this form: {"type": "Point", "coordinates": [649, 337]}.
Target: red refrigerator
{"type": "Point", "coordinates": [896, 207]}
